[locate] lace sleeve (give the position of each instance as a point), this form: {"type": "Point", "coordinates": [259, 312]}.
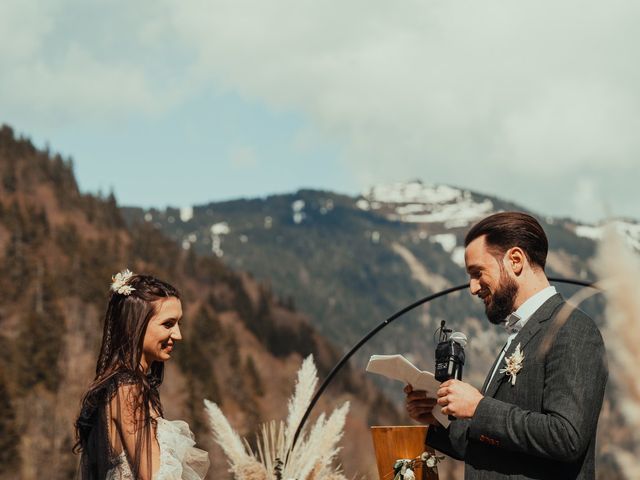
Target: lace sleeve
{"type": "Point", "coordinates": [133, 433]}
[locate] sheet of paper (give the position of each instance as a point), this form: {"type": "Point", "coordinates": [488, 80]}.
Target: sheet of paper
{"type": "Point", "coordinates": [397, 367]}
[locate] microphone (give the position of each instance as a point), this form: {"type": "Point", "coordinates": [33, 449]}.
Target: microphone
{"type": "Point", "coordinates": [460, 338]}
{"type": "Point", "coordinates": [449, 355]}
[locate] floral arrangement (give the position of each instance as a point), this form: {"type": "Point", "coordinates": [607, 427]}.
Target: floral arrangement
{"type": "Point", "coordinates": [404, 468]}
{"type": "Point", "coordinates": [513, 364]}
{"type": "Point", "coordinates": [119, 282]}
{"type": "Point", "coordinates": [276, 458]}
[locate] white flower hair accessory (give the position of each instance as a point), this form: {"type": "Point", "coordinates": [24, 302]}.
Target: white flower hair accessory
{"type": "Point", "coordinates": [513, 364]}
{"type": "Point", "coordinates": [119, 282]}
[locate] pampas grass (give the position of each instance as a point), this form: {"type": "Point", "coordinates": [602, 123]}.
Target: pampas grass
{"type": "Point", "coordinates": [227, 438]}
{"type": "Point", "coordinates": [619, 267]}
{"type": "Point", "coordinates": [305, 387]}
{"type": "Point", "coordinates": [315, 454]}
{"type": "Point", "coordinates": [271, 445]}
{"type": "Point", "coordinates": [276, 456]}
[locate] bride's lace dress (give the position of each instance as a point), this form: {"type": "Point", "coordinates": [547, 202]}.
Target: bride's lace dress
{"type": "Point", "coordinates": [179, 458]}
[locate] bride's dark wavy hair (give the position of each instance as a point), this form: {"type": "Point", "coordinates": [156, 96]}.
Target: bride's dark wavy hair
{"type": "Point", "coordinates": [118, 365]}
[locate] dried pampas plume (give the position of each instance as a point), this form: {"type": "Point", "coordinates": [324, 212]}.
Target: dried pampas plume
{"type": "Point", "coordinates": [227, 438]}
{"type": "Point", "coordinates": [313, 457]}
{"type": "Point", "coordinates": [305, 387]}
{"type": "Point", "coordinates": [252, 470]}
{"type": "Point", "coordinates": [276, 457]}
{"type": "Point", "coordinates": [619, 268]}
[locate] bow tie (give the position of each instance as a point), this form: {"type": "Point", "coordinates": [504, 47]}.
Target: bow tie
{"type": "Point", "coordinates": [512, 323]}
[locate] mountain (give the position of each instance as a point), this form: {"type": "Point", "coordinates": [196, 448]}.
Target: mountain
{"type": "Point", "coordinates": [242, 346]}
{"type": "Point", "coordinates": [350, 262]}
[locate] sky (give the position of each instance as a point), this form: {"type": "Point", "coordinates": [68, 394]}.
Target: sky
{"type": "Point", "coordinates": [181, 102]}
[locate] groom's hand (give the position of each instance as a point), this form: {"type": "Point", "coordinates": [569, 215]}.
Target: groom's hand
{"type": "Point", "coordinates": [420, 406]}
{"type": "Point", "coordinates": [458, 399]}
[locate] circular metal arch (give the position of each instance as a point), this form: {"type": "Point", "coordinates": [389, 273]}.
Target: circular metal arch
{"type": "Point", "coordinates": [386, 322]}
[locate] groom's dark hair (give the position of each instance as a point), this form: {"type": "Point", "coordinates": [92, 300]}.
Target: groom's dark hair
{"type": "Point", "coordinates": [506, 230]}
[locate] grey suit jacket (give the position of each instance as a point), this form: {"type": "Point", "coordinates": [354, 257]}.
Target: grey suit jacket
{"type": "Point", "coordinates": [544, 426]}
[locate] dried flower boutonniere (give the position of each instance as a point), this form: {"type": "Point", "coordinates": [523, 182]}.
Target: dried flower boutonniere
{"type": "Point", "coordinates": [514, 364]}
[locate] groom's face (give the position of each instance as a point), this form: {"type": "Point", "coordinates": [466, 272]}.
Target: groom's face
{"type": "Point", "coordinates": [489, 280]}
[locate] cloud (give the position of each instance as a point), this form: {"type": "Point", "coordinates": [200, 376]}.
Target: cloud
{"type": "Point", "coordinates": [23, 26]}
{"type": "Point", "coordinates": [492, 95]}
{"type": "Point", "coordinates": [586, 199]}
{"type": "Point", "coordinates": [525, 88]}
{"type": "Point", "coordinates": [243, 157]}
{"type": "Point", "coordinates": [77, 87]}
{"type": "Point", "coordinates": [75, 62]}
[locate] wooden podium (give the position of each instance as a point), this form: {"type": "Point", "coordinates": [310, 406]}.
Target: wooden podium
{"type": "Point", "coordinates": [397, 442]}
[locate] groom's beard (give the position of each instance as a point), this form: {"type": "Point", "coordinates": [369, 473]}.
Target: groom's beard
{"type": "Point", "coordinates": [503, 300]}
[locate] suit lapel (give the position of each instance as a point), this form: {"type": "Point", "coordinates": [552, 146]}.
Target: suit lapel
{"type": "Point", "coordinates": [531, 328]}
{"type": "Point", "coordinates": [486, 380]}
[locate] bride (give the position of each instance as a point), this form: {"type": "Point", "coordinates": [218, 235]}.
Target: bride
{"type": "Point", "coordinates": [121, 432]}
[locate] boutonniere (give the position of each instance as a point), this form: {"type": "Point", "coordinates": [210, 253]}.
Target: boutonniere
{"type": "Point", "coordinates": [514, 364]}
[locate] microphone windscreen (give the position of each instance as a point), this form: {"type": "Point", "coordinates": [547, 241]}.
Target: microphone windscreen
{"type": "Point", "coordinates": [460, 338]}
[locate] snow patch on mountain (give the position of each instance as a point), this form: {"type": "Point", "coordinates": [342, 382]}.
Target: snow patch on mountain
{"type": "Point", "coordinates": [628, 229]}
{"type": "Point", "coordinates": [589, 231]}
{"type": "Point", "coordinates": [217, 231]}
{"type": "Point", "coordinates": [415, 202]}
{"type": "Point", "coordinates": [326, 206]}
{"type": "Point", "coordinates": [448, 241]}
{"type": "Point", "coordinates": [221, 228]}
{"type": "Point", "coordinates": [186, 214]}
{"type": "Point", "coordinates": [414, 192]}
{"type": "Point", "coordinates": [188, 240]}
{"type": "Point", "coordinates": [363, 204]}
{"type": "Point", "coordinates": [457, 256]}
{"type": "Point", "coordinates": [298, 211]}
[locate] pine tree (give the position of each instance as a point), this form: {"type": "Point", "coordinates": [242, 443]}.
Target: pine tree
{"type": "Point", "coordinates": [9, 438]}
{"type": "Point", "coordinates": [39, 340]}
{"type": "Point", "coordinates": [10, 177]}
{"type": "Point", "coordinates": [17, 269]}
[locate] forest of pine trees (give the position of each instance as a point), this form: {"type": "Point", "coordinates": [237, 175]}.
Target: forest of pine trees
{"type": "Point", "coordinates": [59, 249]}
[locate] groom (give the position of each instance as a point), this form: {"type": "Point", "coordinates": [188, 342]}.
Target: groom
{"type": "Point", "coordinates": [536, 415]}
